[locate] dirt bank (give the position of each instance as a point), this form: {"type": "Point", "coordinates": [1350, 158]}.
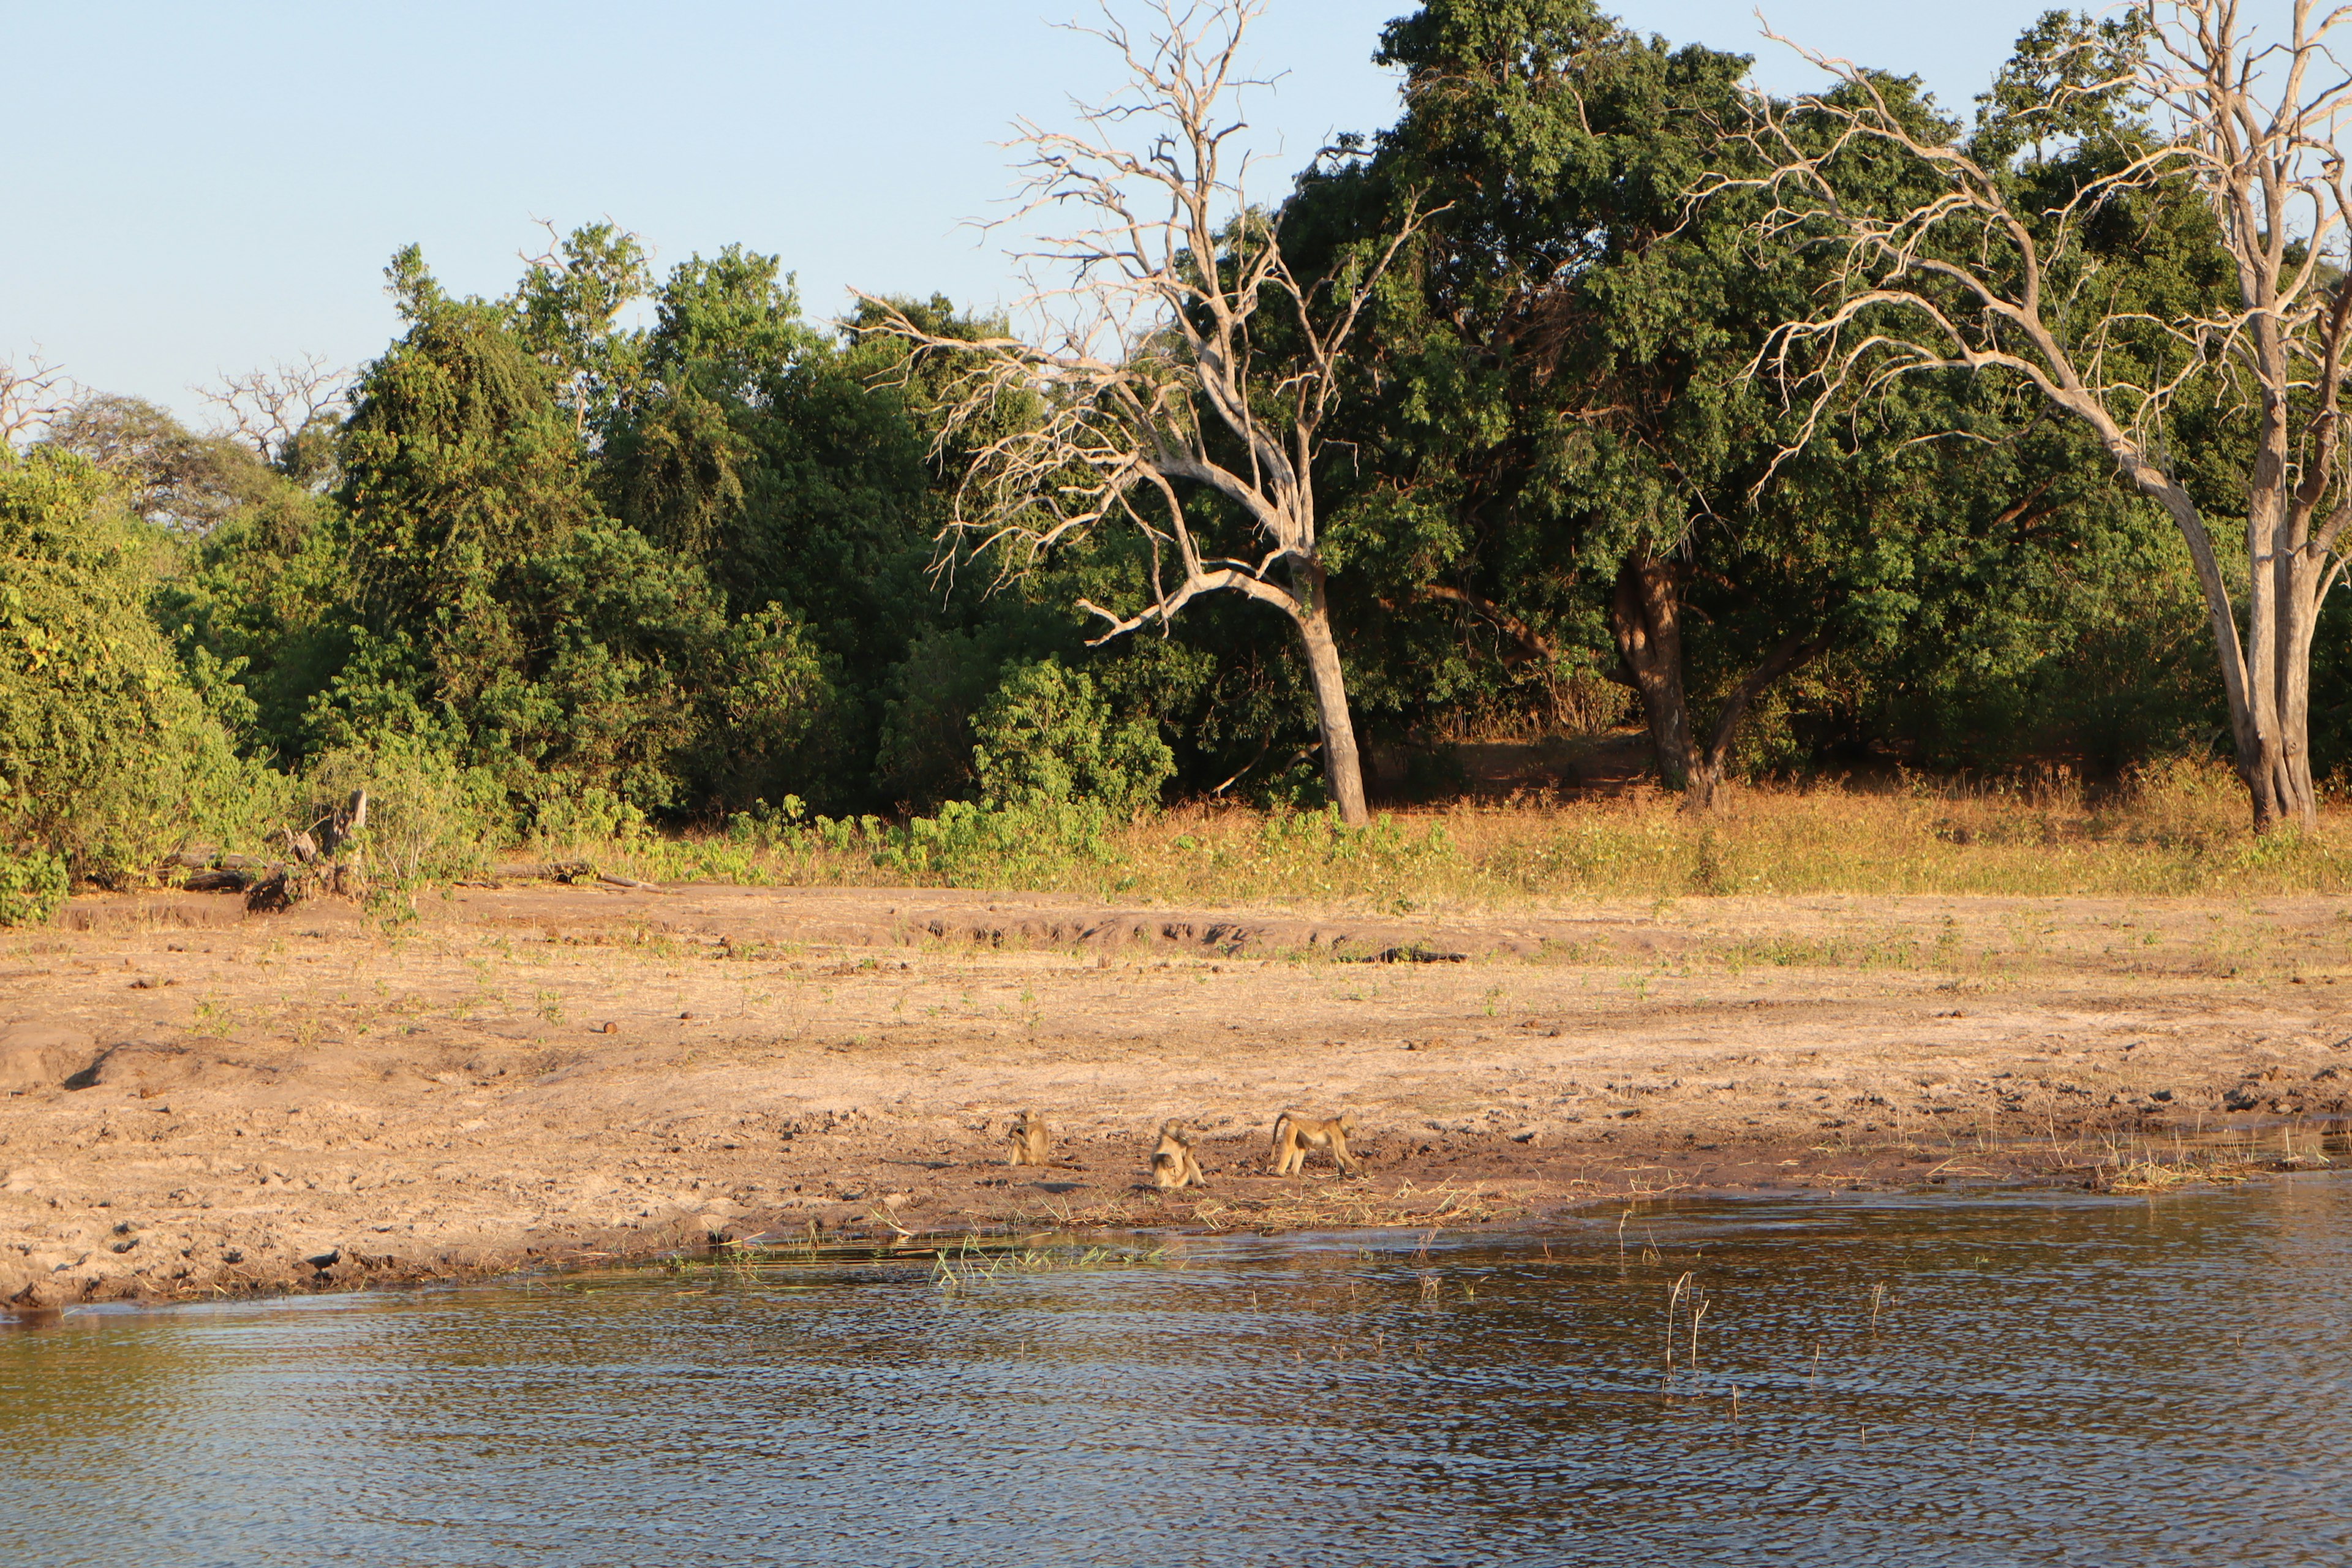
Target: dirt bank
{"type": "Point", "coordinates": [195, 1099]}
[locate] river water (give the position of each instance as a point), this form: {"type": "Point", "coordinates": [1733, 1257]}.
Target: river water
{"type": "Point", "coordinates": [1982, 1379]}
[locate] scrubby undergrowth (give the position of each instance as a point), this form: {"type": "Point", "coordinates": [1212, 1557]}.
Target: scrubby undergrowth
{"type": "Point", "coordinates": [2173, 833]}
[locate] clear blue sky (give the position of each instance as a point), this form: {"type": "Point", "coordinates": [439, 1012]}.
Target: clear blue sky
{"type": "Point", "coordinates": [204, 185]}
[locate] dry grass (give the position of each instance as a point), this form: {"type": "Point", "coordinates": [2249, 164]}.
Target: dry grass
{"type": "Point", "coordinates": [2181, 831]}
{"type": "Point", "coordinates": [1337, 1207]}
{"type": "Point", "coordinates": [2139, 1164]}
{"type": "Point", "coordinates": [2159, 1176]}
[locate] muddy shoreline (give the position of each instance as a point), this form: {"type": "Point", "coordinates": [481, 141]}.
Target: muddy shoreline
{"type": "Point", "coordinates": [196, 1100]}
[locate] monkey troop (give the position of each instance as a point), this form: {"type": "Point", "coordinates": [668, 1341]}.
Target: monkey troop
{"type": "Point", "coordinates": [1029, 1139]}
{"type": "Point", "coordinates": [1173, 1166]}
{"type": "Point", "coordinates": [1294, 1136]}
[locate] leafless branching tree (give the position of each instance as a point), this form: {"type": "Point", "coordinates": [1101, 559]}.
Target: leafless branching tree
{"type": "Point", "coordinates": [31, 394]}
{"type": "Point", "coordinates": [1974, 278]}
{"type": "Point", "coordinates": [268, 409]}
{"type": "Point", "coordinates": [1145, 377]}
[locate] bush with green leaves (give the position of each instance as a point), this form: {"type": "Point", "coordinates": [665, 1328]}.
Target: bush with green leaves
{"type": "Point", "coordinates": [431, 817]}
{"type": "Point", "coordinates": [32, 886]}
{"type": "Point", "coordinates": [109, 758]}
{"type": "Point", "coordinates": [1046, 738]}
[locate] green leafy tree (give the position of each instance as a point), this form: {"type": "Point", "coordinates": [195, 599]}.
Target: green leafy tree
{"type": "Point", "coordinates": [257, 611]}
{"type": "Point", "coordinates": [458, 467]}
{"type": "Point", "coordinates": [795, 467]}
{"type": "Point", "coordinates": [170, 476]}
{"type": "Point", "coordinates": [1567, 452]}
{"type": "Point", "coordinates": [109, 759]}
{"type": "Point", "coordinates": [1561, 465]}
{"type": "Point", "coordinates": [677, 563]}
{"type": "Point", "coordinates": [496, 605]}
{"type": "Point", "coordinates": [567, 309]}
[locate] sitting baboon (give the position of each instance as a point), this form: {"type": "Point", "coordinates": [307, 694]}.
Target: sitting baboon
{"type": "Point", "coordinates": [1173, 1166]}
{"type": "Point", "coordinates": [1029, 1139]}
{"type": "Point", "coordinates": [1294, 1135]}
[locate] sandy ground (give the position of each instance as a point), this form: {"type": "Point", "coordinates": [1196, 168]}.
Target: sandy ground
{"type": "Point", "coordinates": [196, 1100]}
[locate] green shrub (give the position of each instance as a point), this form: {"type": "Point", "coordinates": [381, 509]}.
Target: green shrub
{"type": "Point", "coordinates": [566, 818]}
{"type": "Point", "coordinates": [1047, 739]}
{"type": "Point", "coordinates": [430, 817]}
{"type": "Point", "coordinates": [1033, 844]}
{"type": "Point", "coordinates": [925, 754]}
{"type": "Point", "coordinates": [109, 759]}
{"type": "Point", "coordinates": [32, 886]}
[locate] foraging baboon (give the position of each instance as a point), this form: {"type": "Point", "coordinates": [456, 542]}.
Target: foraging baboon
{"type": "Point", "coordinates": [1029, 1140]}
{"type": "Point", "coordinates": [1294, 1135]}
{"type": "Point", "coordinates": [1173, 1166]}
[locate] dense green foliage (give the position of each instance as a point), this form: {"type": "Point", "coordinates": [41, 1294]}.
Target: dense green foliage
{"type": "Point", "coordinates": [32, 885]}
{"type": "Point", "coordinates": [555, 572]}
{"type": "Point", "coordinates": [1562, 432]}
{"type": "Point", "coordinates": [108, 755]}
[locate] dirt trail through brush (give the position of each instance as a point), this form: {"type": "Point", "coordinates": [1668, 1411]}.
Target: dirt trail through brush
{"type": "Point", "coordinates": [196, 1099]}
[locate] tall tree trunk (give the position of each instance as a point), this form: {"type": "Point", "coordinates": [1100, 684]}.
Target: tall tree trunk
{"type": "Point", "coordinates": [2266, 596]}
{"type": "Point", "coordinates": [1645, 619]}
{"type": "Point", "coordinates": [2282, 610]}
{"type": "Point", "coordinates": [1343, 773]}
{"type": "Point", "coordinates": [2299, 616]}
{"type": "Point", "coordinates": [2265, 673]}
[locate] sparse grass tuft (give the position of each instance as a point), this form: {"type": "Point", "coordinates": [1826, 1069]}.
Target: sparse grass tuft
{"type": "Point", "coordinates": [2153, 1175]}
{"type": "Point", "coordinates": [973, 1265]}
{"type": "Point", "coordinates": [1346, 1206]}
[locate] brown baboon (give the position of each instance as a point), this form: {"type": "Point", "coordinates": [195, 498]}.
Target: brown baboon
{"type": "Point", "coordinates": [1029, 1139]}
{"type": "Point", "coordinates": [1294, 1135]}
{"type": "Point", "coordinates": [1173, 1166]}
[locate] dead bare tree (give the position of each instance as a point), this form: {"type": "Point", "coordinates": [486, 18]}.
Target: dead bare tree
{"type": "Point", "coordinates": [1145, 379]}
{"type": "Point", "coordinates": [1972, 279]}
{"type": "Point", "coordinates": [268, 409]}
{"type": "Point", "coordinates": [30, 396]}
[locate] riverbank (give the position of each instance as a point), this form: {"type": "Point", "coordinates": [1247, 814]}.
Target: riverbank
{"type": "Point", "coordinates": [196, 1099]}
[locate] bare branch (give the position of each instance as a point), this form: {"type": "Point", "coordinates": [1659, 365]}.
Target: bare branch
{"type": "Point", "coordinates": [1143, 377]}
{"type": "Point", "coordinates": [266, 409]}
{"type": "Point", "coordinates": [1970, 277]}
{"type": "Point", "coordinates": [31, 396]}
{"type": "Point", "coordinates": [1144, 372]}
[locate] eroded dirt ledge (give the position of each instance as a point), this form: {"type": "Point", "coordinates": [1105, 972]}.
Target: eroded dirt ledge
{"type": "Point", "coordinates": [195, 1099]}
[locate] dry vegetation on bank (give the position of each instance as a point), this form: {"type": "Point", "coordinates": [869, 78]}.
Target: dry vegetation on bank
{"type": "Point", "coordinates": [2178, 832]}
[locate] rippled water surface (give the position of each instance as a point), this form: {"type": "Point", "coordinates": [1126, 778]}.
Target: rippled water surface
{"type": "Point", "coordinates": [2048, 1380]}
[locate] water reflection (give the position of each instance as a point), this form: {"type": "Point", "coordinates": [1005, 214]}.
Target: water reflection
{"type": "Point", "coordinates": [2047, 1380]}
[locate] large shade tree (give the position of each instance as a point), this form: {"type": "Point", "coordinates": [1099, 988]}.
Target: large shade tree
{"type": "Point", "coordinates": [1554, 442]}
